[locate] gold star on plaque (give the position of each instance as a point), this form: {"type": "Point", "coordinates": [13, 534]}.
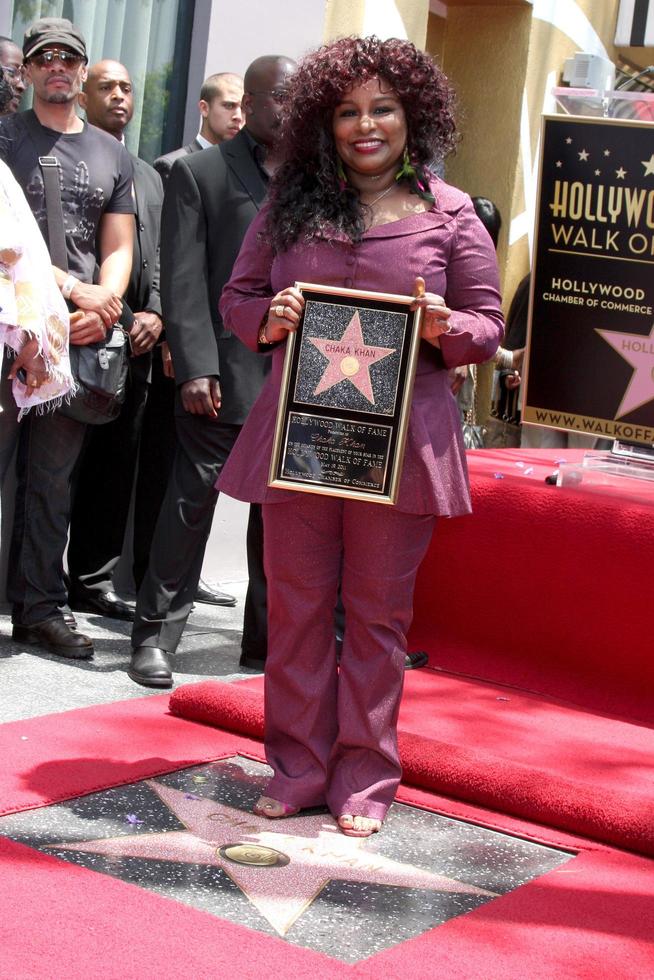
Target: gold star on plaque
{"type": "Point", "coordinates": [569, 140]}
{"type": "Point", "coordinates": [649, 166]}
{"type": "Point", "coordinates": [621, 173]}
{"type": "Point", "coordinates": [583, 155]}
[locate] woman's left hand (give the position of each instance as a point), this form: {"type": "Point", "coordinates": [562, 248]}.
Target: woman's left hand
{"type": "Point", "coordinates": [436, 315]}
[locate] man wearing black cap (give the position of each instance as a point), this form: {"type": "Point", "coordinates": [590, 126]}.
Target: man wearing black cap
{"type": "Point", "coordinates": [95, 178]}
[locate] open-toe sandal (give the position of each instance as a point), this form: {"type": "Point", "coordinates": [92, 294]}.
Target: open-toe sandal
{"type": "Point", "coordinates": [358, 826]}
{"type": "Point", "coordinates": [273, 809]}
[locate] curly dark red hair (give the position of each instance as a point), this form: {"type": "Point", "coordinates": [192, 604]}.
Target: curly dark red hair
{"type": "Point", "coordinates": [306, 193]}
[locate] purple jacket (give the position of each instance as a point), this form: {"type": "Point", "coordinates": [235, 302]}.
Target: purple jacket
{"type": "Point", "coordinates": [451, 249]}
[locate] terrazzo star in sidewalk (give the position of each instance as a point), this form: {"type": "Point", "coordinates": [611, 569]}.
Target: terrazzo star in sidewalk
{"type": "Point", "coordinates": [281, 872]}
{"type": "Point", "coordinates": [349, 359]}
{"type": "Point", "coordinates": [637, 350]}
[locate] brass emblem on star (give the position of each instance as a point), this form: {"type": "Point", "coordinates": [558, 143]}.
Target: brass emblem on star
{"type": "Point", "coordinates": [349, 366]}
{"type": "Point", "coordinates": [254, 855]}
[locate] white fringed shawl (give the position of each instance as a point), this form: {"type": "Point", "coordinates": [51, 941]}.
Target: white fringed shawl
{"type": "Point", "coordinates": [31, 305]}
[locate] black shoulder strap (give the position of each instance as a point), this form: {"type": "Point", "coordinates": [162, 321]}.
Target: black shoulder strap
{"type": "Point", "coordinates": [52, 190]}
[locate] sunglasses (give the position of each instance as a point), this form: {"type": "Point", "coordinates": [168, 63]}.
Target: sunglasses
{"type": "Point", "coordinates": [276, 94]}
{"type": "Point", "coordinates": [13, 72]}
{"type": "Point", "coordinates": [46, 58]}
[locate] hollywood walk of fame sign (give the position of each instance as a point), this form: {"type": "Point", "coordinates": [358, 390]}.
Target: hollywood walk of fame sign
{"type": "Point", "coordinates": [590, 363]}
{"type": "Point", "coordinates": [346, 394]}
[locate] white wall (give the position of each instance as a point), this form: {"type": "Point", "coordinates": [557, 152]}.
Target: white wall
{"type": "Point", "coordinates": [235, 32]}
{"type": "Point", "coordinates": [244, 30]}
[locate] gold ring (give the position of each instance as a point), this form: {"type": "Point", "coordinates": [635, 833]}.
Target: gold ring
{"type": "Point", "coordinates": [279, 311]}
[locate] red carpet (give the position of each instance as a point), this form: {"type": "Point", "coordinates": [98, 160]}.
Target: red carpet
{"type": "Point", "coordinates": [591, 918]}
{"type": "Point", "coordinates": [533, 758]}
{"type": "Point", "coordinates": [57, 757]}
{"type": "Point", "coordinates": [545, 589]}
{"type": "Point", "coordinates": [592, 922]}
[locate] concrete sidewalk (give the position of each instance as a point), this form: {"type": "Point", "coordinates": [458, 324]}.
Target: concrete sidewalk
{"type": "Point", "coordinates": [33, 682]}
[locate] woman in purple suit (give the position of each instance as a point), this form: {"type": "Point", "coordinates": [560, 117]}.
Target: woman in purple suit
{"type": "Point", "coordinates": [355, 205]}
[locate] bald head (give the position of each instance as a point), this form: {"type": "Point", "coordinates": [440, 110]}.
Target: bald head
{"type": "Point", "coordinates": [107, 97]}
{"type": "Point", "coordinates": [262, 69]}
{"type": "Point", "coordinates": [266, 83]}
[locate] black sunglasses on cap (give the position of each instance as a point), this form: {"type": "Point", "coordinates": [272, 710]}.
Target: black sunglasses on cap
{"type": "Point", "coordinates": [46, 58]}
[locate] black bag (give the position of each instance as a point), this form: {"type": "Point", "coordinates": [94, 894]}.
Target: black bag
{"type": "Point", "coordinates": [100, 369]}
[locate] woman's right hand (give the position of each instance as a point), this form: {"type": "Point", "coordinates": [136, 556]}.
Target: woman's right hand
{"type": "Point", "coordinates": [284, 314]}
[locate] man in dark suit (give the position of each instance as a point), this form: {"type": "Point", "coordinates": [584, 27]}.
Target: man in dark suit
{"type": "Point", "coordinates": [221, 96]}
{"type": "Point", "coordinates": [211, 199]}
{"type": "Point", "coordinates": [105, 477]}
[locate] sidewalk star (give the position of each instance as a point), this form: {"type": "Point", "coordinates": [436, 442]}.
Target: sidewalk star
{"type": "Point", "coordinates": [280, 866]}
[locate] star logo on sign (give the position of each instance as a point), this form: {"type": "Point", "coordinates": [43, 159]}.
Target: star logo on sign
{"type": "Point", "coordinates": [349, 359]}
{"type": "Point", "coordinates": [621, 173]}
{"type": "Point", "coordinates": [649, 166]}
{"type": "Point", "coordinates": [598, 173]}
{"type": "Point", "coordinates": [583, 155]}
{"type": "Point", "coordinates": [569, 140]}
{"type": "Point", "coordinates": [280, 866]}
{"type": "Point", "coordinates": [607, 153]}
{"type": "Point", "coordinates": [638, 351]}
{"type": "Point", "coordinates": [559, 163]}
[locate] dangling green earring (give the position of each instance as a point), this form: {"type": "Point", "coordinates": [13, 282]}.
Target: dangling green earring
{"type": "Point", "coordinates": [407, 171]}
{"type": "Point", "coordinates": [417, 181]}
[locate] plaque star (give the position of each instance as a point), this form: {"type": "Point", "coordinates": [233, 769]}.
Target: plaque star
{"type": "Point", "coordinates": [559, 163]}
{"type": "Point", "coordinates": [280, 866]}
{"type": "Point", "coordinates": [583, 155]}
{"type": "Point", "coordinates": [349, 359]}
{"type": "Point", "coordinates": [598, 173]}
{"type": "Point", "coordinates": [607, 153]}
{"type": "Point", "coordinates": [569, 140]}
{"type": "Point", "coordinates": [649, 166]}
{"type": "Point", "coordinates": [621, 173]}
{"type": "Point", "coordinates": [638, 351]}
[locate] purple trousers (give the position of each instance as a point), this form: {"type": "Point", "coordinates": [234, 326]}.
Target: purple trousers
{"type": "Point", "coordinates": [330, 734]}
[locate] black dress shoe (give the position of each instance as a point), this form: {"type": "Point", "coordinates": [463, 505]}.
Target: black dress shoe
{"type": "Point", "coordinates": [56, 637]}
{"type": "Point", "coordinates": [150, 667]}
{"type": "Point", "coordinates": [204, 593]}
{"type": "Point", "coordinates": [252, 663]}
{"type": "Point", "coordinates": [415, 659]}
{"type": "Point", "coordinates": [105, 603]}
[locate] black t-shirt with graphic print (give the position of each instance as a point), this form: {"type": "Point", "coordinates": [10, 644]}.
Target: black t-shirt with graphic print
{"type": "Point", "coordinates": [95, 178]}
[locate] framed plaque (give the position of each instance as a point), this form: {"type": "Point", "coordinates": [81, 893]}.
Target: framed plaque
{"type": "Point", "coordinates": [346, 394]}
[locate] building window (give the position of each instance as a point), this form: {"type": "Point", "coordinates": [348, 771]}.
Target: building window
{"type": "Point", "coordinates": [152, 38]}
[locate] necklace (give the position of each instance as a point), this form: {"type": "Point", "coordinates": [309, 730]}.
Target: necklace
{"type": "Point", "coordinates": [379, 196]}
